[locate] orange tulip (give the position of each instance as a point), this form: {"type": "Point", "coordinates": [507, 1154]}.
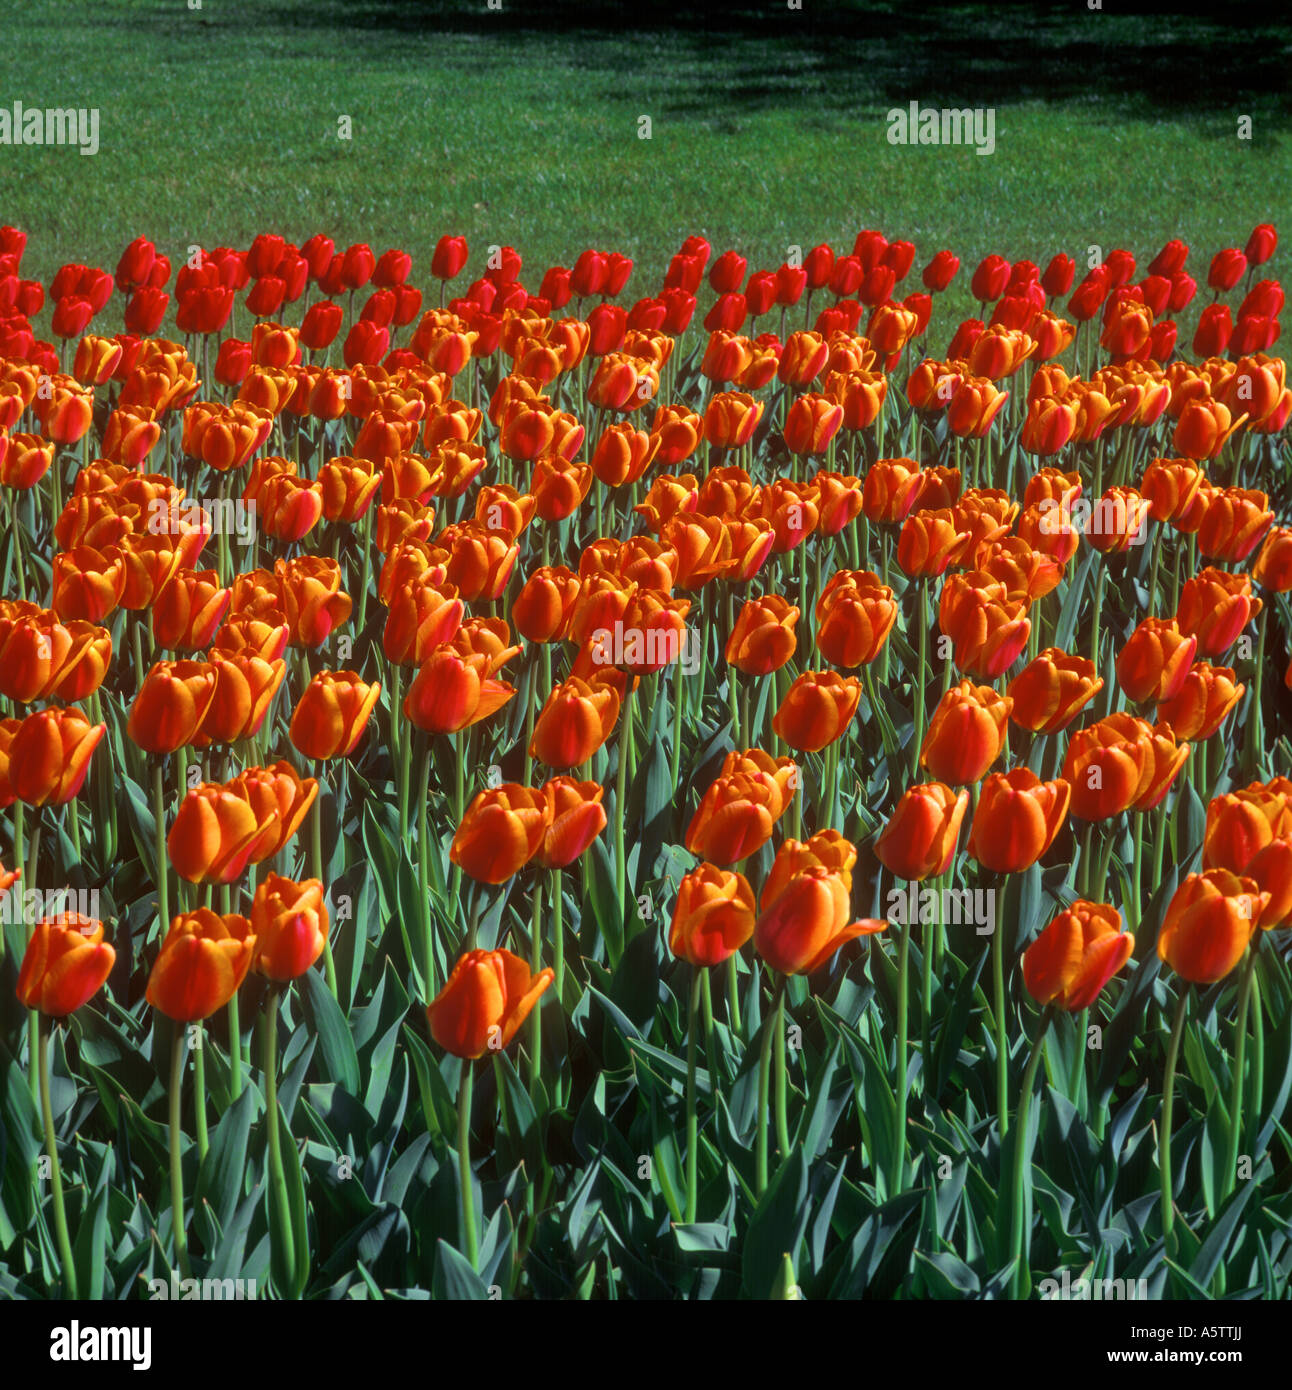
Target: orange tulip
{"type": "Point", "coordinates": [422, 615]}
{"type": "Point", "coordinates": [452, 692]}
{"type": "Point", "coordinates": [574, 722]}
{"type": "Point", "coordinates": [1155, 661]}
{"type": "Point", "coordinates": [807, 922]}
{"type": "Point", "coordinates": [1206, 696]}
{"type": "Point", "coordinates": [312, 598]}
{"type": "Point", "coordinates": [921, 835]}
{"type": "Point", "coordinates": [811, 423]}
{"type": "Point", "coordinates": [575, 817]}
{"type": "Point", "coordinates": [45, 758]}
{"type": "Point", "coordinates": [187, 612]}
{"type": "Point", "coordinates": [1235, 521]}
{"type": "Point", "coordinates": [1215, 606]}
{"type": "Point", "coordinates": [1049, 692]}
{"type": "Point", "coordinates": [817, 709]}
{"type": "Point", "coordinates": [1076, 955]}
{"type": "Point", "coordinates": [487, 997]}
{"type": "Point", "coordinates": [245, 685]}
{"type": "Point", "coordinates": [713, 916]}
{"type": "Point", "coordinates": [1273, 567]}
{"type": "Point", "coordinates": [88, 583]}
{"type": "Point", "coordinates": [1271, 868]}
{"type": "Point", "coordinates": [502, 831]}
{"type": "Point", "coordinates": [217, 832]}
{"type": "Point", "coordinates": [1243, 823]}
{"type": "Point", "coordinates": [930, 541]}
{"type": "Point", "coordinates": [854, 619]}
{"type": "Point", "coordinates": [1208, 924]}
{"type": "Point", "coordinates": [968, 731]}
{"type": "Point", "coordinates": [735, 817]}
{"type": "Point", "coordinates": [202, 962]}
{"type": "Point", "coordinates": [890, 489]}
{"type": "Point", "coordinates": [290, 923]}
{"type": "Point", "coordinates": [1170, 485]}
{"type": "Point", "coordinates": [827, 849]}
{"type": "Point", "coordinates": [332, 714]}
{"type": "Point", "coordinates": [65, 965]}
{"type": "Point", "coordinates": [171, 705]}
{"type": "Point", "coordinates": [1017, 820]}
{"type": "Point", "coordinates": [763, 639]}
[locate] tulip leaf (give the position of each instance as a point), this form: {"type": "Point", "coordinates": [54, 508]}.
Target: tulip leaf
{"type": "Point", "coordinates": [222, 1174]}
{"type": "Point", "coordinates": [777, 1226]}
{"type": "Point", "coordinates": [336, 1046]}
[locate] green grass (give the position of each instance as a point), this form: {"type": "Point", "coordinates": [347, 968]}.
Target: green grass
{"type": "Point", "coordinates": [221, 122]}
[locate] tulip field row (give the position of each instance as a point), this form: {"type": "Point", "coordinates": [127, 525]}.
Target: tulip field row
{"type": "Point", "coordinates": [744, 790]}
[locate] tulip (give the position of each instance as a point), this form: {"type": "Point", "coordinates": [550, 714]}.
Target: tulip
{"type": "Point", "coordinates": [930, 541]}
{"type": "Point", "coordinates": [201, 964]}
{"type": "Point", "coordinates": [1017, 820]}
{"type": "Point", "coordinates": [807, 922]}
{"type": "Point", "coordinates": [574, 722]}
{"type": "Point", "coordinates": [245, 685]}
{"type": "Point", "coordinates": [484, 1002]}
{"type": "Point", "coordinates": [817, 710]}
{"type": "Point", "coordinates": [1234, 524]}
{"type": "Point", "coordinates": [735, 817]}
{"type": "Point", "coordinates": [967, 733]}
{"type": "Point", "coordinates": [45, 758]}
{"type": "Point", "coordinates": [920, 837]}
{"type": "Point", "coordinates": [1069, 964]}
{"type": "Point", "coordinates": [1206, 695]}
{"type": "Point", "coordinates": [1241, 824]}
{"type": "Point", "coordinates": [574, 818]}
{"type": "Point", "coordinates": [171, 705]}
{"type": "Point", "coordinates": [502, 831]}
{"type": "Point", "coordinates": [290, 923]}
{"type": "Point", "coordinates": [217, 833]}
{"type": "Point", "coordinates": [763, 639]}
{"type": "Point", "coordinates": [713, 916]}
{"type": "Point", "coordinates": [332, 714]}
{"type": "Point", "coordinates": [1208, 924]}
{"type": "Point", "coordinates": [65, 965]}
{"type": "Point", "coordinates": [1215, 606]}
{"type": "Point", "coordinates": [1155, 661]}
{"type": "Point", "coordinates": [187, 612]}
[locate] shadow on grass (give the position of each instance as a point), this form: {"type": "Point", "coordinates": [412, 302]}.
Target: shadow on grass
{"type": "Point", "coordinates": [1183, 66]}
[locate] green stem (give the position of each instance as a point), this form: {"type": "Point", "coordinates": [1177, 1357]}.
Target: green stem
{"type": "Point", "coordinates": [781, 1079]}
{"type": "Point", "coordinates": [898, 1169]}
{"type": "Point", "coordinates": [1002, 1054]}
{"type": "Point", "coordinates": [279, 1205]}
{"type": "Point", "coordinates": [692, 1129]}
{"type": "Point", "coordinates": [1164, 1137]}
{"type": "Point", "coordinates": [199, 1092]}
{"type": "Point", "coordinates": [764, 1087]}
{"type": "Point", "coordinates": [316, 871]}
{"type": "Point", "coordinates": [558, 932]}
{"type": "Point", "coordinates": [424, 862]}
{"type": "Point", "coordinates": [535, 964]}
{"type": "Point", "coordinates": [621, 818]}
{"type": "Point", "coordinates": [733, 993]}
{"type": "Point", "coordinates": [1020, 1280]}
{"type": "Point", "coordinates": [176, 1163]}
{"type": "Point", "coordinates": [51, 1149]}
{"type": "Point", "coordinates": [918, 675]}
{"type": "Point", "coordinates": [1236, 1077]}
{"type": "Point", "coordinates": [469, 1247]}
{"type": "Point", "coordinates": [159, 805]}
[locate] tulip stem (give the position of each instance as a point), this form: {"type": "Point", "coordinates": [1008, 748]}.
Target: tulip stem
{"type": "Point", "coordinates": [764, 1087]}
{"type": "Point", "coordinates": [51, 1149]}
{"type": "Point", "coordinates": [675, 753]}
{"type": "Point", "coordinates": [558, 932]}
{"type": "Point", "coordinates": [1236, 1078]}
{"type": "Point", "coordinates": [918, 675]}
{"type": "Point", "coordinates": [781, 1082]}
{"type": "Point", "coordinates": [898, 1168]}
{"type": "Point", "coordinates": [469, 1248]}
{"type": "Point", "coordinates": [621, 818]}
{"type": "Point", "coordinates": [281, 1235]}
{"type": "Point", "coordinates": [424, 862]}
{"type": "Point", "coordinates": [459, 806]}
{"type": "Point", "coordinates": [535, 964]}
{"type": "Point", "coordinates": [159, 802]}
{"type": "Point", "coordinates": [235, 1022]}
{"type": "Point", "coordinates": [1021, 1279]}
{"type": "Point", "coordinates": [733, 993]}
{"type": "Point", "coordinates": [316, 871]}
{"type": "Point", "coordinates": [176, 1163]}
{"type": "Point", "coordinates": [199, 1091]}
{"type": "Point", "coordinates": [1002, 1053]}
{"type": "Point", "coordinates": [1164, 1136]}
{"type": "Point", "coordinates": [692, 1128]}
{"type": "Point", "coordinates": [33, 1016]}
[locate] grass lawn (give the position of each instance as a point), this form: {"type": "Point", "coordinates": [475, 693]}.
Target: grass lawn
{"type": "Point", "coordinates": [220, 122]}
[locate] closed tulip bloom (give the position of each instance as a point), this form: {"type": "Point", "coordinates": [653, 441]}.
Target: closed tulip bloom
{"type": "Point", "coordinates": [930, 541]}
{"type": "Point", "coordinates": [452, 692]}
{"type": "Point", "coordinates": [735, 817]}
{"type": "Point", "coordinates": [969, 730]}
{"type": "Point", "coordinates": [487, 997]}
{"type": "Point", "coordinates": [1017, 819]}
{"type": "Point", "coordinates": [217, 831]}
{"type": "Point", "coordinates": [88, 583]}
{"type": "Point", "coordinates": [827, 850]}
{"type": "Point", "coordinates": [171, 705]}
{"type": "Point", "coordinates": [990, 637]}
{"type": "Point", "coordinates": [731, 418]}
{"type": "Point", "coordinates": [348, 487]}
{"type": "Point", "coordinates": [921, 835]}
{"type": "Point", "coordinates": [763, 637]}
{"type": "Point", "coordinates": [854, 620]}
{"type": "Point", "coordinates": [1206, 696]}
{"type": "Point", "coordinates": [1202, 429]}
{"type": "Point", "coordinates": [1076, 955]}
{"type": "Point", "coordinates": [312, 598]}
{"type": "Point", "coordinates": [559, 486]}
{"type": "Point", "coordinates": [1048, 426]}
{"type": "Point", "coordinates": [575, 817]}
{"type": "Point", "coordinates": [1108, 765]}
{"type": "Point", "coordinates": [1208, 924]}
{"type": "Point", "coordinates": [203, 961]}
{"type": "Point", "coordinates": [839, 499]}
{"type": "Point", "coordinates": [502, 830]}
{"type": "Point", "coordinates": [245, 685]}
{"type": "Point", "coordinates": [1026, 573]}
{"type": "Point", "coordinates": [1170, 486]}
{"type": "Point", "coordinates": [807, 923]}
{"type": "Point", "coordinates": [1235, 522]}
{"type": "Point", "coordinates": [65, 965]}
{"type": "Point", "coordinates": [1243, 823]}
{"type": "Point", "coordinates": [188, 610]}
{"type": "Point", "coordinates": [703, 545]}
{"type": "Point", "coordinates": [422, 616]}
{"type": "Point", "coordinates": [811, 423]}
{"type": "Point", "coordinates": [891, 489]}
{"type": "Point", "coordinates": [713, 916]}
{"type": "Point", "coordinates": [1155, 661]}
{"type": "Point", "coordinates": [332, 714]}
{"type": "Point", "coordinates": [817, 709]}
{"type": "Point", "coordinates": [41, 657]}
{"type": "Point", "coordinates": [545, 604]}
{"type": "Point", "coordinates": [1215, 606]}
{"type": "Point", "coordinates": [574, 722]}
{"type": "Point", "coordinates": [1273, 567]}
{"type": "Point", "coordinates": [290, 923]}
{"type": "Point", "coordinates": [44, 758]}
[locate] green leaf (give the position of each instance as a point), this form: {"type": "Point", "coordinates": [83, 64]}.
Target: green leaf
{"type": "Point", "coordinates": [777, 1228]}
{"type": "Point", "coordinates": [336, 1046]}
